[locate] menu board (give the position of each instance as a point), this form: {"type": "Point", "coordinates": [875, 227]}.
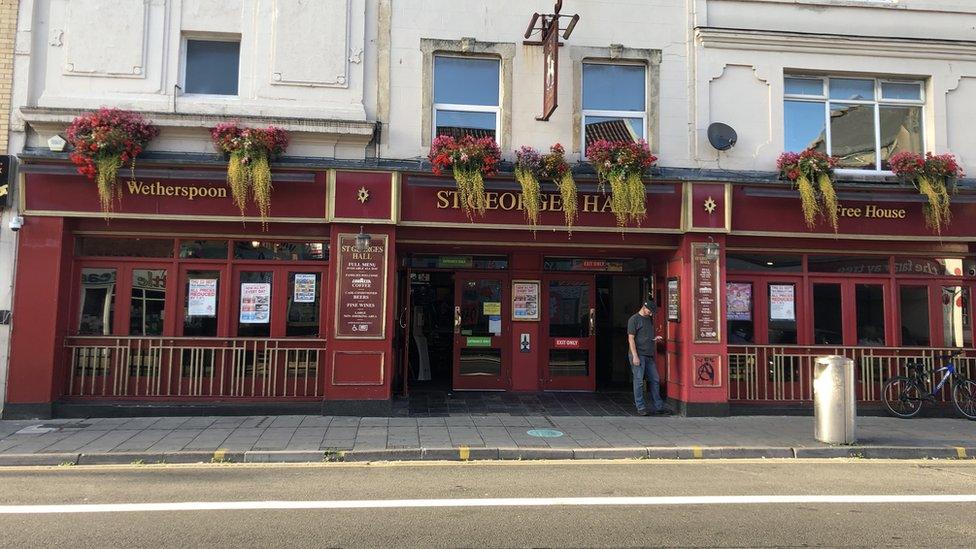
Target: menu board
{"type": "Point", "coordinates": [361, 299]}
{"type": "Point", "coordinates": [255, 303]}
{"type": "Point", "coordinates": [674, 300]}
{"type": "Point", "coordinates": [705, 290]}
{"type": "Point", "coordinates": [525, 300]}
{"type": "Point", "coordinates": [782, 301]}
{"type": "Point", "coordinates": [201, 299]}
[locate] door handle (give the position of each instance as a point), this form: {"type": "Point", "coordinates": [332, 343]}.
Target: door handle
{"type": "Point", "coordinates": [457, 319]}
{"type": "Point", "coordinates": [403, 319]}
{"type": "Point", "coordinates": [592, 322]}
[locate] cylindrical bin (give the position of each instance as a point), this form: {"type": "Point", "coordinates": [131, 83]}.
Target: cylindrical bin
{"type": "Point", "coordinates": [834, 400]}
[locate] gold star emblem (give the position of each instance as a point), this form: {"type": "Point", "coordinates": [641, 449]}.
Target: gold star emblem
{"type": "Point", "coordinates": [362, 195]}
{"type": "Point", "coordinates": [710, 205]}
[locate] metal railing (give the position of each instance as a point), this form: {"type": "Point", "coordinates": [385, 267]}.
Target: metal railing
{"type": "Point", "coordinates": [768, 373]}
{"type": "Point", "coordinates": [192, 367]}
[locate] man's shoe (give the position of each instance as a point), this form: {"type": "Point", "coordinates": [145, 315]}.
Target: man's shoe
{"type": "Point", "coordinates": [664, 412]}
{"type": "Point", "coordinates": [642, 412]}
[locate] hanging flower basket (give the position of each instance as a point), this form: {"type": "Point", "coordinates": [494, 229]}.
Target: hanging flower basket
{"type": "Point", "coordinates": [812, 173]}
{"type": "Point", "coordinates": [622, 164]}
{"type": "Point", "coordinates": [935, 176]}
{"type": "Point", "coordinates": [470, 161]}
{"type": "Point", "coordinates": [249, 152]}
{"type": "Point", "coordinates": [531, 167]}
{"type": "Point", "coordinates": [105, 140]}
{"type": "Point", "coordinates": [555, 167]}
{"type": "Point", "coordinates": [528, 169]}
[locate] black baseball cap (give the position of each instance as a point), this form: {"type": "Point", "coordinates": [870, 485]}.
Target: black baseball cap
{"type": "Point", "coordinates": [650, 305]}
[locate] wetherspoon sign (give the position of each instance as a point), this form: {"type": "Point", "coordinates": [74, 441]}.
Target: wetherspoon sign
{"type": "Point", "coordinates": [705, 292]}
{"type": "Point", "coordinates": [361, 300]}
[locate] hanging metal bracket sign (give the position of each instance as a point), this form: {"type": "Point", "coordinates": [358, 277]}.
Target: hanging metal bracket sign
{"type": "Point", "coordinates": [547, 26]}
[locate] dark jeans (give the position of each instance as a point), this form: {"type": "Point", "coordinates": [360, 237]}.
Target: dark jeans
{"type": "Point", "coordinates": [646, 369]}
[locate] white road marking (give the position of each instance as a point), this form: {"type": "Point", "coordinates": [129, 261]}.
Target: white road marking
{"type": "Point", "coordinates": [484, 502]}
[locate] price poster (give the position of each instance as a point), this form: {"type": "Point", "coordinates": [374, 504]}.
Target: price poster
{"type": "Point", "coordinates": [525, 300]}
{"type": "Point", "coordinates": [782, 302]}
{"type": "Point", "coordinates": [255, 303]}
{"type": "Point", "coordinates": [202, 297]}
{"type": "Point", "coordinates": [304, 288]}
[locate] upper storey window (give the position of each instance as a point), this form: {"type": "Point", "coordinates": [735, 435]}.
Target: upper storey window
{"type": "Point", "coordinates": [466, 93]}
{"type": "Point", "coordinates": [862, 121]}
{"type": "Point", "coordinates": [614, 102]}
{"type": "Point", "coordinates": [211, 67]}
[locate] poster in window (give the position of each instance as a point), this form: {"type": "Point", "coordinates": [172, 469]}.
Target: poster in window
{"type": "Point", "coordinates": [255, 303]}
{"type": "Point", "coordinates": [782, 302]}
{"type": "Point", "coordinates": [525, 300]}
{"type": "Point", "coordinates": [202, 297]}
{"type": "Point", "coordinates": [738, 297]}
{"type": "Point", "coordinates": [304, 288]}
{"type": "Point", "coordinates": [674, 300]}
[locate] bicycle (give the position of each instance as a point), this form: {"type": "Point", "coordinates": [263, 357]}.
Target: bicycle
{"type": "Point", "coordinates": [903, 395]}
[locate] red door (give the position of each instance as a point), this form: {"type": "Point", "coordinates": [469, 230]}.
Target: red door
{"type": "Point", "coordinates": [481, 330]}
{"type": "Point", "coordinates": [569, 332]}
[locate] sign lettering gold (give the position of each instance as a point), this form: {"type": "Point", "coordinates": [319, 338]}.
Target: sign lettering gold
{"type": "Point", "coordinates": [550, 202]}
{"type": "Point", "coordinates": [872, 212]}
{"type": "Point", "coordinates": [190, 192]}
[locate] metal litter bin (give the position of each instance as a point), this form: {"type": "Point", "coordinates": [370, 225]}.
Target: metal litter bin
{"type": "Point", "coordinates": [834, 400]}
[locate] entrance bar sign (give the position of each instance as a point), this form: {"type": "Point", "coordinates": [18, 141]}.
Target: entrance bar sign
{"type": "Point", "coordinates": [705, 293]}
{"type": "Point", "coordinates": [361, 299]}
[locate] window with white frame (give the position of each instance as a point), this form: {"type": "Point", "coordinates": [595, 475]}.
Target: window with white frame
{"type": "Point", "coordinates": [862, 121]}
{"type": "Point", "coordinates": [211, 67]}
{"type": "Point", "coordinates": [466, 93]}
{"type": "Point", "coordinates": [614, 102]}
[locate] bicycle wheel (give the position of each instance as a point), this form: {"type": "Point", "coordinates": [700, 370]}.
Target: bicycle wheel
{"type": "Point", "coordinates": [902, 396]}
{"type": "Point", "coordinates": [964, 398]}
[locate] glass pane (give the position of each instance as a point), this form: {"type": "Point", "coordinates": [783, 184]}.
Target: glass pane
{"type": "Point", "coordinates": [486, 262]}
{"type": "Point", "coordinates": [212, 67]}
{"type": "Point", "coordinates": [147, 304]}
{"type": "Point", "coordinates": [88, 246]}
{"type": "Point", "coordinates": [481, 362]}
{"type": "Point", "coordinates": [466, 81]}
{"type": "Point", "coordinates": [603, 265]}
{"type": "Point", "coordinates": [254, 313]}
{"type": "Point", "coordinates": [481, 302]}
{"type": "Point", "coordinates": [457, 124]}
{"type": "Point", "coordinates": [762, 262]}
{"type": "Point", "coordinates": [956, 328]}
{"type": "Point", "coordinates": [901, 130]}
{"type": "Point", "coordinates": [852, 88]}
{"type": "Point", "coordinates": [200, 306]}
{"type": "Point", "coordinates": [569, 308]}
{"type": "Point", "coordinates": [782, 314]}
{"type": "Point", "coordinates": [203, 249]}
{"type": "Point", "coordinates": [932, 266]}
{"type": "Point", "coordinates": [803, 86]}
{"type": "Point", "coordinates": [613, 128]}
{"type": "Point", "coordinates": [97, 302]}
{"type": "Point", "coordinates": [569, 362]}
{"type": "Point", "coordinates": [847, 265]}
{"type": "Point", "coordinates": [870, 314]}
{"type": "Point", "coordinates": [901, 90]}
{"type": "Point", "coordinates": [828, 315]}
{"type": "Point", "coordinates": [304, 290]}
{"type": "Point", "coordinates": [805, 126]}
{"type": "Point", "coordinates": [284, 251]}
{"type": "Point", "coordinates": [852, 135]}
{"type": "Point", "coordinates": [914, 310]}
{"type": "Point", "coordinates": [738, 312]}
{"type": "Point", "coordinates": [613, 87]}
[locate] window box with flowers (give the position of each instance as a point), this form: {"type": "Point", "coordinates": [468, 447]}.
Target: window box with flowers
{"type": "Point", "coordinates": [531, 167]}
{"type": "Point", "coordinates": [470, 160]}
{"type": "Point", "coordinates": [105, 140]}
{"type": "Point", "coordinates": [249, 153]}
{"type": "Point", "coordinates": [623, 165]}
{"type": "Point", "coordinates": [812, 174]}
{"type": "Point", "coordinates": [935, 177]}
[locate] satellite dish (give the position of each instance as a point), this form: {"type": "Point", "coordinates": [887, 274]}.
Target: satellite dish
{"type": "Point", "coordinates": [721, 136]}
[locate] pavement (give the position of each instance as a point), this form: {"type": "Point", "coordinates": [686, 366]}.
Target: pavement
{"type": "Point", "coordinates": [264, 439]}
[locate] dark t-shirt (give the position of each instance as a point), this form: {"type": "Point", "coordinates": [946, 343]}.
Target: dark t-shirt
{"type": "Point", "coordinates": [642, 328]}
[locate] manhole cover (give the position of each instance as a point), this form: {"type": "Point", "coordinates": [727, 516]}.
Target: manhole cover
{"type": "Point", "coordinates": [544, 433]}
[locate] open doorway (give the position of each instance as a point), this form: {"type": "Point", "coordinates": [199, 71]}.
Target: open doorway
{"type": "Point", "coordinates": [617, 298]}
{"type": "Point", "coordinates": [431, 330]}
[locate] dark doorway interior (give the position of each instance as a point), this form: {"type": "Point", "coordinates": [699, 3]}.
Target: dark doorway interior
{"type": "Point", "coordinates": [431, 329]}
{"type": "Point", "coordinates": [617, 298]}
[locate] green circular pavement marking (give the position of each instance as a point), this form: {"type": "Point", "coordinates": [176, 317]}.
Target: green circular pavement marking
{"type": "Point", "coordinates": [544, 433]}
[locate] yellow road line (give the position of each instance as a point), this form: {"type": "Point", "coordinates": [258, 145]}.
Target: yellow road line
{"type": "Point", "coordinates": [464, 453]}
{"type": "Point", "coordinates": [960, 452]}
{"type": "Point", "coordinates": [220, 454]}
{"type": "Point", "coordinates": [696, 451]}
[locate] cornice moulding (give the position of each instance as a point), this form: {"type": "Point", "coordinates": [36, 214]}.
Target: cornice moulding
{"type": "Point", "coordinates": [798, 42]}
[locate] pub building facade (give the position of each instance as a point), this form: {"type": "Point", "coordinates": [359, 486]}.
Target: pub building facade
{"type": "Point", "coordinates": [370, 282]}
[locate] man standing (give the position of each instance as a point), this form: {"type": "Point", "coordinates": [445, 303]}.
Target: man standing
{"type": "Point", "coordinates": [641, 341]}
